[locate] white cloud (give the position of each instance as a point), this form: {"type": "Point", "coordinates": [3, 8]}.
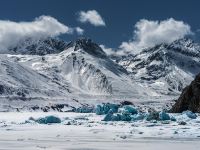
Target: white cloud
{"type": "Point", "coordinates": [91, 16]}
{"type": "Point", "coordinates": [148, 33]}
{"type": "Point", "coordinates": [79, 30]}
{"type": "Point", "coordinates": [44, 26]}
{"type": "Point", "coordinates": [111, 51]}
{"type": "Point", "coordinates": [108, 51]}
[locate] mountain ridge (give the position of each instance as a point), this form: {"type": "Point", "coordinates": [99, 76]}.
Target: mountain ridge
{"type": "Point", "coordinates": [165, 61]}
{"type": "Point", "coordinates": [83, 71]}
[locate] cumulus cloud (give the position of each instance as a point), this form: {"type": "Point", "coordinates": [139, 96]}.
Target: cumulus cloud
{"type": "Point", "coordinates": [108, 51]}
{"type": "Point", "coordinates": [91, 16]}
{"type": "Point", "coordinates": [79, 30]}
{"type": "Point", "coordinates": [44, 26]}
{"type": "Point", "coordinates": [148, 33]}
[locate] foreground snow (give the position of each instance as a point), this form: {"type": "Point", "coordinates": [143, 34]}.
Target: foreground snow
{"type": "Point", "coordinates": [87, 131]}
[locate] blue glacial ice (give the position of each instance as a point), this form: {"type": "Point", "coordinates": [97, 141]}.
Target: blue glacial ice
{"type": "Point", "coordinates": [85, 109]}
{"type": "Point", "coordinates": [153, 115]}
{"type": "Point", "coordinates": [189, 114]}
{"type": "Point", "coordinates": [117, 117]}
{"type": "Point", "coordinates": [105, 108]}
{"type": "Point", "coordinates": [47, 120]}
{"type": "Point", "coordinates": [164, 116]}
{"type": "Point", "coordinates": [139, 116]}
{"type": "Point", "coordinates": [128, 109]}
{"type": "Point", "coordinates": [172, 118]}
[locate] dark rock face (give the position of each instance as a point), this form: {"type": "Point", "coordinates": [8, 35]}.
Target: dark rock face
{"type": "Point", "coordinates": [54, 45]}
{"type": "Point", "coordinates": [189, 99]}
{"type": "Point", "coordinates": [90, 47]}
{"type": "Point", "coordinates": [39, 47]}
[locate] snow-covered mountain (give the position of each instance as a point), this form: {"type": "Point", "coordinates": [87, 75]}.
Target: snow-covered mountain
{"type": "Point", "coordinates": [81, 73]}
{"type": "Point", "coordinates": [167, 68]}
{"type": "Point", "coordinates": [38, 47]}
{"type": "Point", "coordinates": [48, 72]}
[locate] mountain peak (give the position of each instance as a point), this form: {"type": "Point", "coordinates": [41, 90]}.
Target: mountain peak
{"type": "Point", "coordinates": [83, 43]}
{"type": "Point", "coordinates": [55, 45]}
{"type": "Point", "coordinates": [183, 46]}
{"type": "Point", "coordinates": [87, 45]}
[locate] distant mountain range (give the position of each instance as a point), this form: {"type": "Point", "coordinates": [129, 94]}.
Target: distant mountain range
{"type": "Point", "coordinates": [51, 71]}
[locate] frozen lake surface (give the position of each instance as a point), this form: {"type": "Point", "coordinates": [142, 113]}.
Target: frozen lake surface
{"type": "Point", "coordinates": [78, 131]}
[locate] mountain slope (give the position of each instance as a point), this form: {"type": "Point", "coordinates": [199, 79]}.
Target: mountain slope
{"type": "Point", "coordinates": [86, 67]}
{"type": "Point", "coordinates": [167, 68]}
{"type": "Point", "coordinates": [80, 72]}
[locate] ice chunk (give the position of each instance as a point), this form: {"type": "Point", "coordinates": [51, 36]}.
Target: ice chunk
{"type": "Point", "coordinates": [138, 116]}
{"type": "Point", "coordinates": [153, 115]}
{"type": "Point", "coordinates": [85, 109]}
{"type": "Point", "coordinates": [164, 116]}
{"type": "Point", "coordinates": [99, 110]}
{"type": "Point", "coordinates": [116, 117]}
{"type": "Point", "coordinates": [173, 118]}
{"type": "Point", "coordinates": [190, 114]}
{"type": "Point", "coordinates": [104, 108]}
{"type": "Point", "coordinates": [128, 109]}
{"type": "Point", "coordinates": [110, 116]}
{"type": "Point", "coordinates": [125, 117]}
{"type": "Point", "coordinates": [48, 120]}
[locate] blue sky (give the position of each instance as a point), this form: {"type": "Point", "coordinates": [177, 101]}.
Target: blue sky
{"type": "Point", "coordinates": [120, 16]}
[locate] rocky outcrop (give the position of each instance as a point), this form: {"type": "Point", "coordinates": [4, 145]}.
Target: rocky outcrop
{"type": "Point", "coordinates": [39, 47]}
{"type": "Point", "coordinates": [190, 98]}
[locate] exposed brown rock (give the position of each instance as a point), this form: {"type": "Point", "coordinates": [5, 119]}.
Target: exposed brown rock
{"type": "Point", "coordinates": [189, 99]}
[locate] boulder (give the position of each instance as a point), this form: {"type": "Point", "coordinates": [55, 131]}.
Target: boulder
{"type": "Point", "coordinates": [126, 103]}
